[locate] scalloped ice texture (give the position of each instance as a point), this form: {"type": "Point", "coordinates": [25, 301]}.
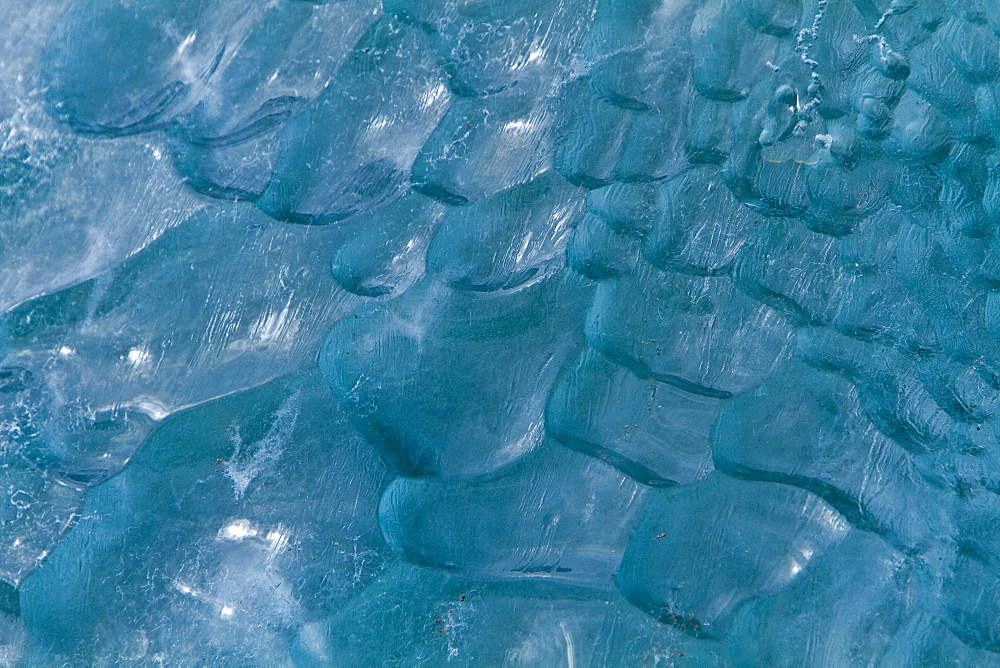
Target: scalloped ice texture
{"type": "Point", "coordinates": [500, 332]}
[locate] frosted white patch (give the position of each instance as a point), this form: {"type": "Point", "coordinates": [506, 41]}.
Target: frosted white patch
{"type": "Point", "coordinates": [249, 461]}
{"type": "Point", "coordinates": [238, 530]}
{"type": "Point", "coordinates": [154, 409]}
{"type": "Point", "coordinates": [138, 356]}
{"type": "Point", "coordinates": [277, 540]}
{"type": "Point", "coordinates": [185, 588]}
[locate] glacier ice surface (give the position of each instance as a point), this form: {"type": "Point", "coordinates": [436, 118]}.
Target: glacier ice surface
{"type": "Point", "coordinates": [500, 332]}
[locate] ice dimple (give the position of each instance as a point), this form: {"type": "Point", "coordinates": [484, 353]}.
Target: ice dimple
{"type": "Point", "coordinates": [702, 551]}
{"type": "Point", "coordinates": [352, 149]}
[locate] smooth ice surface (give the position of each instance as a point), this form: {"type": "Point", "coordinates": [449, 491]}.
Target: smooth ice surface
{"type": "Point", "coordinates": [500, 332]}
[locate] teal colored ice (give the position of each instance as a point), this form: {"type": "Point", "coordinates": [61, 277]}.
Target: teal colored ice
{"type": "Point", "coordinates": [500, 332]}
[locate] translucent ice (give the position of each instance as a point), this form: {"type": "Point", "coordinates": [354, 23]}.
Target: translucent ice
{"type": "Point", "coordinates": [231, 533]}
{"type": "Point", "coordinates": [352, 148]}
{"type": "Point", "coordinates": [499, 332]}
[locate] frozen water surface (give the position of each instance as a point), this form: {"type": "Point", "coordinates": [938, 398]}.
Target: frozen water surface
{"type": "Point", "coordinates": [500, 332]}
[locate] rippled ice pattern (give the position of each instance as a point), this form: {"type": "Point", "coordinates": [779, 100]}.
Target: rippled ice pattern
{"type": "Point", "coordinates": [500, 332]}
